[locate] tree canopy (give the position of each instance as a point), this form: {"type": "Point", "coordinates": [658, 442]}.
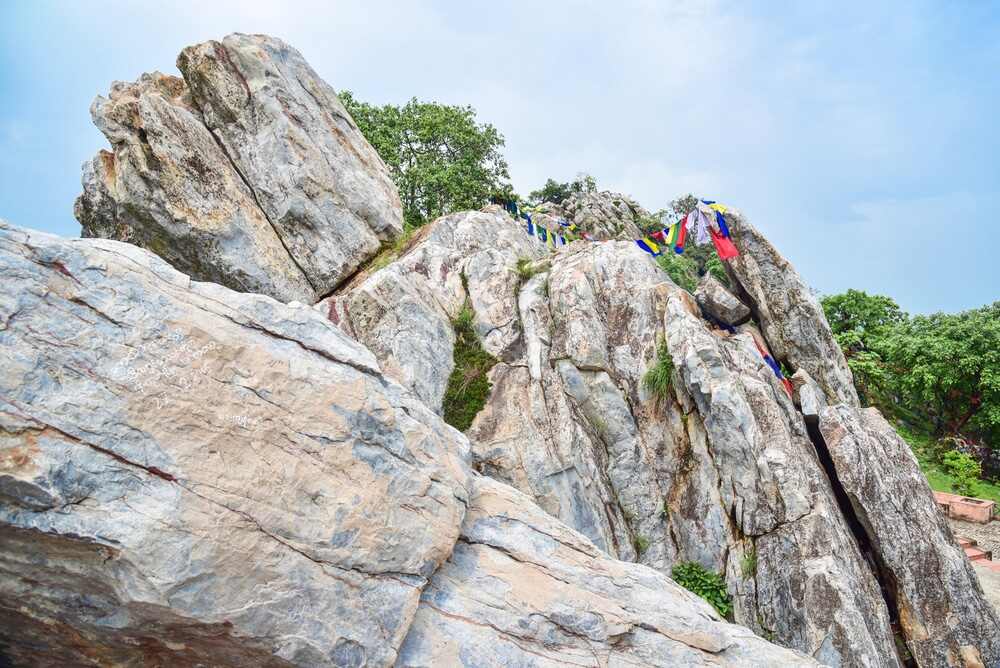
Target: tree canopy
{"type": "Point", "coordinates": [556, 192]}
{"type": "Point", "coordinates": [943, 367]}
{"type": "Point", "coordinates": [441, 159]}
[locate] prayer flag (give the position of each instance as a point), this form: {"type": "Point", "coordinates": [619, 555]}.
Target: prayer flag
{"type": "Point", "coordinates": [681, 237]}
{"type": "Point", "coordinates": [719, 218]}
{"type": "Point", "coordinates": [721, 208]}
{"type": "Point", "coordinates": [723, 246]}
{"type": "Point", "coordinates": [648, 245]}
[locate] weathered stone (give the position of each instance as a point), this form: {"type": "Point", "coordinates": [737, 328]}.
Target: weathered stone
{"type": "Point", "coordinates": [211, 476]}
{"type": "Point", "coordinates": [521, 589]}
{"type": "Point", "coordinates": [403, 312]}
{"type": "Point", "coordinates": [719, 302]}
{"type": "Point", "coordinates": [722, 472]}
{"type": "Point", "coordinates": [192, 476]}
{"type": "Point", "coordinates": [320, 183]}
{"type": "Point", "coordinates": [604, 215]}
{"type": "Point", "coordinates": [789, 314]}
{"type": "Point", "coordinates": [169, 187]}
{"type": "Point", "coordinates": [941, 607]}
{"type": "Point", "coordinates": [808, 395]}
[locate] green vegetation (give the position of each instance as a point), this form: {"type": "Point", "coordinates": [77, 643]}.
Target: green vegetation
{"type": "Point", "coordinates": [391, 251]}
{"type": "Point", "coordinates": [441, 159]}
{"type": "Point", "coordinates": [748, 566]}
{"type": "Point", "coordinates": [964, 471]}
{"type": "Point", "coordinates": [686, 269]}
{"type": "Point", "coordinates": [641, 544]}
{"type": "Point", "coordinates": [659, 378]}
{"type": "Point", "coordinates": [710, 586]}
{"type": "Point", "coordinates": [526, 268]}
{"type": "Point", "coordinates": [556, 192]}
{"type": "Point", "coordinates": [681, 269]}
{"type": "Point", "coordinates": [937, 376]}
{"type": "Point", "coordinates": [468, 386]}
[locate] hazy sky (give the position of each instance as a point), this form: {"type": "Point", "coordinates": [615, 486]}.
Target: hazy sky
{"type": "Point", "coordinates": [861, 137]}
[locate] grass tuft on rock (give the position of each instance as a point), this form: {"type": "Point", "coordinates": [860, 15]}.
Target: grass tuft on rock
{"type": "Point", "coordinates": [659, 378]}
{"type": "Point", "coordinates": [468, 386]}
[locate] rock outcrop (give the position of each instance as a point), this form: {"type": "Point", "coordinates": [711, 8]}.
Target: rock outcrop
{"type": "Point", "coordinates": [789, 314]}
{"type": "Point", "coordinates": [604, 215]}
{"type": "Point", "coordinates": [193, 476]}
{"type": "Point", "coordinates": [722, 469]}
{"type": "Point", "coordinates": [249, 172]}
{"type": "Point", "coordinates": [912, 542]}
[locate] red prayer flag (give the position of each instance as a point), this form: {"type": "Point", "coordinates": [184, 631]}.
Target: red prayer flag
{"type": "Point", "coordinates": [788, 387]}
{"type": "Point", "coordinates": [723, 246]}
{"type": "Point", "coordinates": [681, 236]}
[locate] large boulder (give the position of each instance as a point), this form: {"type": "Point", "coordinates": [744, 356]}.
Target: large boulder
{"type": "Point", "coordinates": [940, 604]}
{"type": "Point", "coordinates": [249, 172]}
{"type": "Point", "coordinates": [169, 187]}
{"type": "Point", "coordinates": [192, 476]}
{"type": "Point", "coordinates": [195, 473]}
{"type": "Point", "coordinates": [716, 300]}
{"type": "Point", "coordinates": [788, 312]}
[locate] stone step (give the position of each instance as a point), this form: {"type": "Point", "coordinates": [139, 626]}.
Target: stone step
{"type": "Point", "coordinates": [992, 565]}
{"type": "Point", "coordinates": [965, 542]}
{"type": "Point", "coordinates": [975, 554]}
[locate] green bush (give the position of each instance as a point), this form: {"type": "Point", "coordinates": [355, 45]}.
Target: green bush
{"type": "Point", "coordinates": [659, 378]}
{"type": "Point", "coordinates": [964, 470]}
{"type": "Point", "coordinates": [682, 270]}
{"type": "Point", "coordinates": [710, 586]}
{"type": "Point", "coordinates": [468, 386]}
{"type": "Point", "coordinates": [641, 544]}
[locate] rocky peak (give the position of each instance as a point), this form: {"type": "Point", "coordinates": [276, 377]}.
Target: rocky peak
{"type": "Point", "coordinates": [249, 172]}
{"type": "Point", "coordinates": [604, 215]}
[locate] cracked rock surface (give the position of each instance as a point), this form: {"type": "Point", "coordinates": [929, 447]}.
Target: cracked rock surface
{"type": "Point", "coordinates": [249, 172]}
{"type": "Point", "coordinates": [192, 476]}
{"type": "Point", "coordinates": [721, 469]}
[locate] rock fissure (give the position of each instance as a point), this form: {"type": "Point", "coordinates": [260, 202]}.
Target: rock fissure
{"type": "Point", "coordinates": [883, 576]}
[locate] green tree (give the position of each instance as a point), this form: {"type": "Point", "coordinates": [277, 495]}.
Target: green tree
{"type": "Point", "coordinates": [441, 159]}
{"type": "Point", "coordinates": [964, 470]}
{"type": "Point", "coordinates": [860, 323]}
{"type": "Point", "coordinates": [556, 192]}
{"type": "Point", "coordinates": [949, 364]}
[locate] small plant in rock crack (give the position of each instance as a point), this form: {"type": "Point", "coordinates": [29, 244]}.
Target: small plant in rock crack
{"type": "Point", "coordinates": [710, 586]}
{"type": "Point", "coordinates": [641, 544]}
{"type": "Point", "coordinates": [748, 566]}
{"type": "Point", "coordinates": [468, 386]}
{"type": "Point", "coordinates": [526, 268]}
{"type": "Point", "coordinates": [658, 380]}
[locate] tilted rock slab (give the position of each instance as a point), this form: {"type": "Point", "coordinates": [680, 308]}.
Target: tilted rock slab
{"type": "Point", "coordinates": [249, 172]}
{"type": "Point", "coordinates": [214, 467]}
{"type": "Point", "coordinates": [942, 609]}
{"type": "Point", "coordinates": [522, 589]}
{"type": "Point", "coordinates": [191, 476]}
{"type": "Point", "coordinates": [169, 187]}
{"type": "Point", "coordinates": [789, 314]}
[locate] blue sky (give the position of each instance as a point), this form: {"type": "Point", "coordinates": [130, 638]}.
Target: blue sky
{"type": "Point", "coordinates": [861, 137]}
